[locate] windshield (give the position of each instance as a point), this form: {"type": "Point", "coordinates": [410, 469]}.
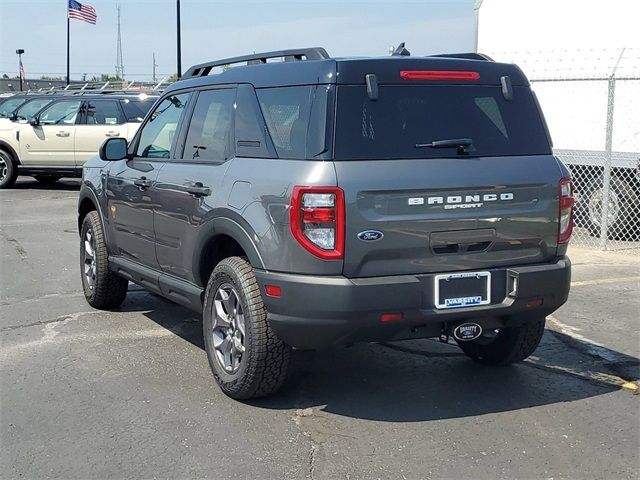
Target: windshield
{"type": "Point", "coordinates": [32, 107]}
{"type": "Point", "coordinates": [437, 121]}
{"type": "Point", "coordinates": [7, 107]}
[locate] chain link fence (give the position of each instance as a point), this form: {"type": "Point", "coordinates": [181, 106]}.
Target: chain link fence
{"type": "Point", "coordinates": [591, 101]}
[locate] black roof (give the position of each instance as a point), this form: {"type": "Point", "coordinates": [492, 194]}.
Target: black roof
{"type": "Point", "coordinates": [298, 71]}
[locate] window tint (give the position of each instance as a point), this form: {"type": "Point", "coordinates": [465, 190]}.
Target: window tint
{"type": "Point", "coordinates": [157, 134]}
{"type": "Point", "coordinates": [135, 110]}
{"type": "Point", "coordinates": [8, 106]}
{"type": "Point", "coordinates": [296, 118]}
{"type": "Point", "coordinates": [286, 111]}
{"type": "Point", "coordinates": [209, 132]}
{"type": "Point", "coordinates": [251, 137]}
{"type": "Point", "coordinates": [32, 107]}
{"type": "Point", "coordinates": [403, 117]}
{"type": "Point", "coordinates": [61, 113]}
{"type": "Point", "coordinates": [103, 112]}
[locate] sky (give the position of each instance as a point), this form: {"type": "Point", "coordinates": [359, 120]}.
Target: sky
{"type": "Point", "coordinates": [219, 29]}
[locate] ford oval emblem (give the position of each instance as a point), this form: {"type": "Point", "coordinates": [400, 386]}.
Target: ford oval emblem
{"type": "Point", "coordinates": [467, 331]}
{"type": "Point", "coordinates": [370, 235]}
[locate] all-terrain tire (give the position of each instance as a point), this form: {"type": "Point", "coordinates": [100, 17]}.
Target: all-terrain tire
{"type": "Point", "coordinates": [8, 170]}
{"type": "Point", "coordinates": [47, 179]}
{"type": "Point", "coordinates": [103, 289]}
{"type": "Point", "coordinates": [264, 363]}
{"type": "Point", "coordinates": [510, 345]}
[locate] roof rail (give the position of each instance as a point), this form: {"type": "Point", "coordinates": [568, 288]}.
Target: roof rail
{"type": "Point", "coordinates": [314, 53]}
{"type": "Point", "coordinates": [468, 56]}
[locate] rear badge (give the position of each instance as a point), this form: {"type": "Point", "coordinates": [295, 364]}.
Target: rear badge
{"type": "Point", "coordinates": [467, 331]}
{"type": "Point", "coordinates": [370, 235]}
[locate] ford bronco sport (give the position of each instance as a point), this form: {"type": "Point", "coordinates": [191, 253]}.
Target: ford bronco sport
{"type": "Point", "coordinates": [315, 202]}
{"type": "Point", "coordinates": [64, 132]}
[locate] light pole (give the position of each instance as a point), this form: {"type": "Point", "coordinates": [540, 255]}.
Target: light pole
{"type": "Point", "coordinates": [178, 46]}
{"type": "Point", "coordinates": [20, 51]}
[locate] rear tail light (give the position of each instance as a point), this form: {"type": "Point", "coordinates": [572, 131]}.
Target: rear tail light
{"type": "Point", "coordinates": [317, 220]}
{"type": "Point", "coordinates": [565, 228]}
{"type": "Point", "coordinates": [438, 75]}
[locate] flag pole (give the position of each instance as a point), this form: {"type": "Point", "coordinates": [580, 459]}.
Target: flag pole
{"type": "Point", "coordinates": [68, 78]}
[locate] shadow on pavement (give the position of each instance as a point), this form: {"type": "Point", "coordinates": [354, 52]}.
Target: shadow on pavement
{"type": "Point", "coordinates": [64, 184]}
{"type": "Point", "coordinates": [415, 380]}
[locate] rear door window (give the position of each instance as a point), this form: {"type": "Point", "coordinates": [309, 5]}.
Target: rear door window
{"type": "Point", "coordinates": [135, 110]}
{"type": "Point", "coordinates": [210, 135]}
{"type": "Point", "coordinates": [406, 116]}
{"type": "Point", "coordinates": [103, 112]}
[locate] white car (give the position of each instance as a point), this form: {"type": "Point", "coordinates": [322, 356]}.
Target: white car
{"type": "Point", "coordinates": [58, 139]}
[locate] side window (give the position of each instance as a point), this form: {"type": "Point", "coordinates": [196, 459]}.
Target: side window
{"type": "Point", "coordinates": [209, 134]}
{"type": "Point", "coordinates": [251, 135]}
{"type": "Point", "coordinates": [157, 134]}
{"type": "Point", "coordinates": [103, 112]}
{"type": "Point", "coordinates": [135, 110]}
{"type": "Point", "coordinates": [61, 113]}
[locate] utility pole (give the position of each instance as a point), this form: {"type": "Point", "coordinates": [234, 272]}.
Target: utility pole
{"type": "Point", "coordinates": [119, 60]}
{"type": "Point", "coordinates": [178, 39]}
{"type": "Point", "coordinates": [154, 66]}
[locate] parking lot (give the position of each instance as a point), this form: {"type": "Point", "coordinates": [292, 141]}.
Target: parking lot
{"type": "Point", "coordinates": [129, 393]}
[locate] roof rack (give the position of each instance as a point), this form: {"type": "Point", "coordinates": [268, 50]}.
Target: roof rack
{"type": "Point", "coordinates": [468, 56]}
{"type": "Point", "coordinates": [314, 53]}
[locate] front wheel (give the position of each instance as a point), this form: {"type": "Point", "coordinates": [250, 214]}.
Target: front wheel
{"type": "Point", "coordinates": [8, 170]}
{"type": "Point", "coordinates": [246, 357]}
{"type": "Point", "coordinates": [506, 345]}
{"type": "Point", "coordinates": [103, 289]}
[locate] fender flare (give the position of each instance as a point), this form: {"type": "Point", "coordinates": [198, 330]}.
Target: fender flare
{"type": "Point", "coordinates": [5, 146]}
{"type": "Point", "coordinates": [87, 193]}
{"type": "Point", "coordinates": [226, 226]}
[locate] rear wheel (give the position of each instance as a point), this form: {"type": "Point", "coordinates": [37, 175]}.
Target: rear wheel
{"type": "Point", "coordinates": [506, 345]}
{"type": "Point", "coordinates": [246, 357]}
{"type": "Point", "coordinates": [8, 170]}
{"type": "Point", "coordinates": [47, 179]}
{"type": "Point", "coordinates": [103, 289]}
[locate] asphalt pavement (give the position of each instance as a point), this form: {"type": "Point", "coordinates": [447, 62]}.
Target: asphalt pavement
{"type": "Point", "coordinates": [86, 394]}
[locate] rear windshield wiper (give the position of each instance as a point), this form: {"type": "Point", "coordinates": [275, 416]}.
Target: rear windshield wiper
{"type": "Point", "coordinates": [464, 145]}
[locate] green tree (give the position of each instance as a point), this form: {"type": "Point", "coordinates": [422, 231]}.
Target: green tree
{"type": "Point", "coordinates": [105, 77]}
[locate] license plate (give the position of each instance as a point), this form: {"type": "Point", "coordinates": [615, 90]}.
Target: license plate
{"type": "Point", "coordinates": [456, 290]}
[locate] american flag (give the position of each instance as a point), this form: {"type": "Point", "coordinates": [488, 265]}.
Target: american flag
{"type": "Point", "coordinates": [82, 12]}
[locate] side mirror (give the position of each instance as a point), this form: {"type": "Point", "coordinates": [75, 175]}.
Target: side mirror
{"type": "Point", "coordinates": [113, 149]}
{"type": "Point", "coordinates": [34, 121]}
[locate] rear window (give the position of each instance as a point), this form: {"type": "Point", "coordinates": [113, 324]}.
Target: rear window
{"type": "Point", "coordinates": [404, 117]}
{"type": "Point", "coordinates": [135, 110]}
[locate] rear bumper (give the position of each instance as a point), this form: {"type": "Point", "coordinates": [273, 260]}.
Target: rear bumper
{"type": "Point", "coordinates": [316, 311]}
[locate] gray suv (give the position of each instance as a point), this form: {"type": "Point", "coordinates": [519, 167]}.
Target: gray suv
{"type": "Point", "coordinates": [317, 201]}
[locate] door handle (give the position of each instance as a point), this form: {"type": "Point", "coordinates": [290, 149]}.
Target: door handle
{"type": "Point", "coordinates": [112, 134]}
{"type": "Point", "coordinates": [198, 190]}
{"type": "Point", "coordinates": [142, 183]}
{"type": "Point", "coordinates": [62, 134]}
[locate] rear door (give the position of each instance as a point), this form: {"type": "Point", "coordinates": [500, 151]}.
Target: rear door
{"type": "Point", "coordinates": [101, 119]}
{"type": "Point", "coordinates": [51, 142]}
{"type": "Point", "coordinates": [189, 186]}
{"type": "Point", "coordinates": [437, 207]}
{"type": "Point", "coordinates": [130, 184]}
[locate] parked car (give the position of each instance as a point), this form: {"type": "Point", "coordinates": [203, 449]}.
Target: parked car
{"type": "Point", "coordinates": [317, 202]}
{"type": "Point", "coordinates": [57, 140]}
